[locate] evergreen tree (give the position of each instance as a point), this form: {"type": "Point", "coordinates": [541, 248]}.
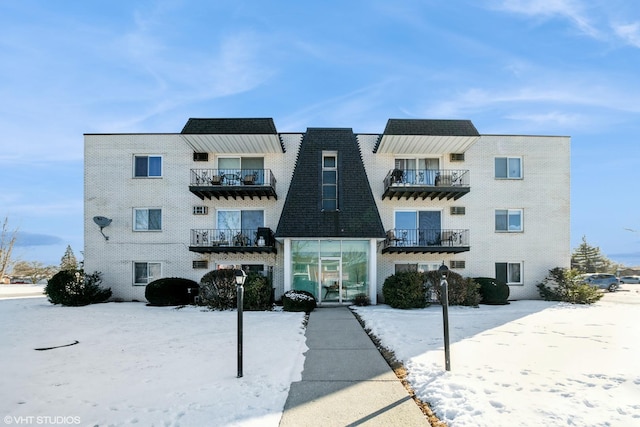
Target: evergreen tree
{"type": "Point", "coordinates": [588, 259]}
{"type": "Point", "coordinates": [68, 261]}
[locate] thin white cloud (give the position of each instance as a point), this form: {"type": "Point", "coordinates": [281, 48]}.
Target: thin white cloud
{"type": "Point", "coordinates": [629, 33]}
{"type": "Point", "coordinates": [571, 10]}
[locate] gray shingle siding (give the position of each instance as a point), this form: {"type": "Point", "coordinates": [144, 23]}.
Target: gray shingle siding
{"type": "Point", "coordinates": [302, 214]}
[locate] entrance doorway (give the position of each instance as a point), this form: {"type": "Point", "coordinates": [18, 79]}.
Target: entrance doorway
{"type": "Point", "coordinates": [330, 279]}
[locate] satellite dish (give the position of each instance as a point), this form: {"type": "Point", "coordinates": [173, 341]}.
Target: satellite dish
{"type": "Point", "coordinates": [102, 222]}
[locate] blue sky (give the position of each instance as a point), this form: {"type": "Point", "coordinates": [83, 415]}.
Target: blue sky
{"type": "Point", "coordinates": [548, 67]}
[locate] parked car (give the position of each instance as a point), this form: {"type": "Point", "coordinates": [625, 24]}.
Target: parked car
{"type": "Point", "coordinates": [602, 281]}
{"type": "Point", "coordinates": [630, 279]}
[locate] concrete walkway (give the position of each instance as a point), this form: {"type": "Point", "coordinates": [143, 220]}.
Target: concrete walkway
{"type": "Point", "coordinates": [345, 381]}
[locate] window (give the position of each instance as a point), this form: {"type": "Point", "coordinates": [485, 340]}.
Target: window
{"type": "Point", "coordinates": [509, 220]}
{"type": "Point", "coordinates": [200, 157]}
{"type": "Point", "coordinates": [146, 272]}
{"type": "Point", "coordinates": [433, 266]}
{"type": "Point", "coordinates": [418, 170]}
{"type": "Point", "coordinates": [201, 263]}
{"type": "Point", "coordinates": [508, 167]}
{"type": "Point", "coordinates": [239, 228]}
{"type": "Point", "coordinates": [509, 272]}
{"type": "Point", "coordinates": [418, 228]}
{"type": "Point", "coordinates": [456, 157]}
{"type": "Point", "coordinates": [147, 219]}
{"type": "Point", "coordinates": [329, 182]}
{"type": "Point", "coordinates": [200, 210]}
{"type": "Point", "coordinates": [147, 166]}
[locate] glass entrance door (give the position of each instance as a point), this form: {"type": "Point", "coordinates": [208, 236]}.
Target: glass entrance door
{"type": "Point", "coordinates": [330, 279]}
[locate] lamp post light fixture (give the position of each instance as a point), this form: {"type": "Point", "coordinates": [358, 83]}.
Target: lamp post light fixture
{"type": "Point", "coordinates": [241, 276]}
{"type": "Point", "coordinates": [444, 290]}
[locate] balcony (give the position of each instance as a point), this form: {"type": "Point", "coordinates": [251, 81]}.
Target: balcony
{"type": "Point", "coordinates": [238, 241]}
{"type": "Point", "coordinates": [425, 241]}
{"type": "Point", "coordinates": [233, 183]}
{"type": "Point", "coordinates": [426, 183]}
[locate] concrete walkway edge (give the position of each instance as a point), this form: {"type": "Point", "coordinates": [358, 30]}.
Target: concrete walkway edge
{"type": "Point", "coordinates": [345, 379]}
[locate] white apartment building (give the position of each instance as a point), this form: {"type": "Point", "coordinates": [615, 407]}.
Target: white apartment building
{"type": "Point", "coordinates": [325, 210]}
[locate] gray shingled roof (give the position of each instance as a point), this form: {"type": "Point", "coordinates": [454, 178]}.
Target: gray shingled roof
{"type": "Point", "coordinates": [302, 215]}
{"type": "Point", "coordinates": [430, 127]}
{"type": "Point", "coordinates": [230, 126]}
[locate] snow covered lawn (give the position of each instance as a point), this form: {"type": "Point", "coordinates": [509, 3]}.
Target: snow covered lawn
{"type": "Point", "coordinates": [530, 363]}
{"type": "Point", "coordinates": [146, 365]}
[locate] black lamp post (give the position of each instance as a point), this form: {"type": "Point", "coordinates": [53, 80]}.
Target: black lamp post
{"type": "Point", "coordinates": [444, 290]}
{"type": "Point", "coordinates": [241, 276]}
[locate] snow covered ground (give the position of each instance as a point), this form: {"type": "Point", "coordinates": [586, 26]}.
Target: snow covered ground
{"type": "Point", "coordinates": [530, 363]}
{"type": "Point", "coordinates": [144, 365]}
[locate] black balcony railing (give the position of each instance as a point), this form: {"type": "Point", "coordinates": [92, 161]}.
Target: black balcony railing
{"type": "Point", "coordinates": [232, 183]}
{"type": "Point", "coordinates": [426, 183]}
{"type": "Point", "coordinates": [232, 240]}
{"type": "Point", "coordinates": [400, 240]}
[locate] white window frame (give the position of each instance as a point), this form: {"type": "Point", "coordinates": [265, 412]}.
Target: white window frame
{"type": "Point", "coordinates": [421, 267]}
{"type": "Point", "coordinates": [148, 156]}
{"type": "Point", "coordinates": [326, 154]}
{"type": "Point", "coordinates": [509, 271]}
{"type": "Point", "coordinates": [135, 224]}
{"type": "Point", "coordinates": [509, 212]}
{"type": "Point", "coordinates": [149, 278]}
{"type": "Point", "coordinates": [508, 159]}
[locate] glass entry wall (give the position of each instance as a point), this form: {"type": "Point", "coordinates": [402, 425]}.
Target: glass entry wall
{"type": "Point", "coordinates": [332, 270]}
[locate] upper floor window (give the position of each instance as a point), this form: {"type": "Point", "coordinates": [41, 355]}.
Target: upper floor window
{"type": "Point", "coordinates": [330, 181]}
{"type": "Point", "coordinates": [509, 220]}
{"type": "Point", "coordinates": [508, 167]}
{"type": "Point", "coordinates": [147, 219]}
{"type": "Point", "coordinates": [147, 166]}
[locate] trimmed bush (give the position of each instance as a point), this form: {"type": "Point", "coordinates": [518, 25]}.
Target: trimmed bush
{"type": "Point", "coordinates": [171, 291]}
{"type": "Point", "coordinates": [257, 293]}
{"type": "Point", "coordinates": [295, 300]}
{"type": "Point", "coordinates": [565, 285]}
{"type": "Point", "coordinates": [76, 288]}
{"type": "Point", "coordinates": [362, 299]}
{"type": "Point", "coordinates": [462, 290]}
{"type": "Point", "coordinates": [218, 289]}
{"type": "Point", "coordinates": [406, 289]}
{"type": "Point", "coordinates": [493, 291]}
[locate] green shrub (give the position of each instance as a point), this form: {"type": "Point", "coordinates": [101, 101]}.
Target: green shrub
{"type": "Point", "coordinates": [362, 299]}
{"type": "Point", "coordinates": [493, 291]}
{"type": "Point", "coordinates": [76, 288]}
{"type": "Point", "coordinates": [461, 290]}
{"type": "Point", "coordinates": [405, 289]}
{"type": "Point", "coordinates": [564, 285]}
{"type": "Point", "coordinates": [218, 289]}
{"type": "Point", "coordinates": [171, 291]}
{"type": "Point", "coordinates": [295, 300]}
{"type": "Point", "coordinates": [257, 293]}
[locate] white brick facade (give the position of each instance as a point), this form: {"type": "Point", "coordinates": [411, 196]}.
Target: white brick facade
{"type": "Point", "coordinates": [542, 195]}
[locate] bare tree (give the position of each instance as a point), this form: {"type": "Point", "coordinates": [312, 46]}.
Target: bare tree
{"type": "Point", "coordinates": [34, 270]}
{"type": "Point", "coordinates": [7, 241]}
